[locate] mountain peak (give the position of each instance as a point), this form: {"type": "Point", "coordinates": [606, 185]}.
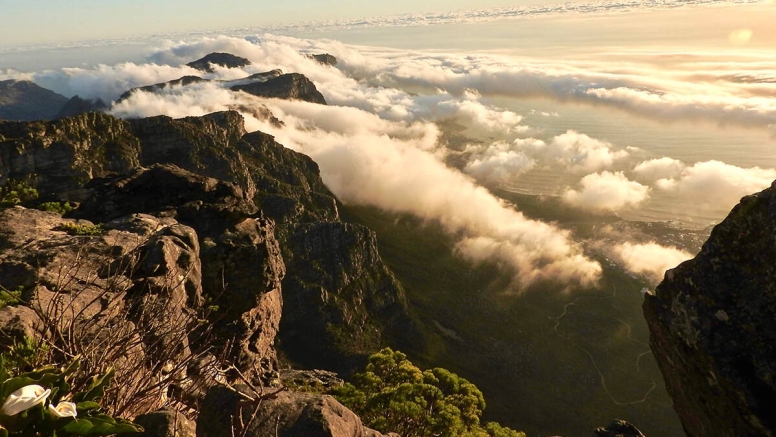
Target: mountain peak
{"type": "Point", "coordinates": [227, 60]}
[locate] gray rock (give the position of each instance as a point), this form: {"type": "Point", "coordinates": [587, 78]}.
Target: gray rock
{"type": "Point", "coordinates": [165, 423]}
{"type": "Point", "coordinates": [618, 428]}
{"type": "Point", "coordinates": [285, 414]}
{"type": "Point", "coordinates": [713, 326]}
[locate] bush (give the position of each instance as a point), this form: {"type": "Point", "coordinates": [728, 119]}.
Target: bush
{"type": "Point", "coordinates": [60, 208]}
{"type": "Point", "coordinates": [392, 395]}
{"type": "Point", "coordinates": [16, 192]}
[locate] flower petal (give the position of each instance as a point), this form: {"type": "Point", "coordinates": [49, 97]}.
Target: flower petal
{"type": "Point", "coordinates": [25, 398]}
{"type": "Point", "coordinates": [64, 409]}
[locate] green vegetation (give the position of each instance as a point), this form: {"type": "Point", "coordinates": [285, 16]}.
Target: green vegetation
{"type": "Point", "coordinates": [10, 297]}
{"type": "Point", "coordinates": [73, 228]}
{"type": "Point", "coordinates": [16, 192]}
{"type": "Point", "coordinates": [24, 355]}
{"type": "Point", "coordinates": [41, 403]}
{"type": "Point", "coordinates": [60, 208]}
{"type": "Point", "coordinates": [392, 395]}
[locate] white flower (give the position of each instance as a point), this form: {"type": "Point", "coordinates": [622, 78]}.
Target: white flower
{"type": "Point", "coordinates": [24, 399]}
{"type": "Point", "coordinates": [64, 409]}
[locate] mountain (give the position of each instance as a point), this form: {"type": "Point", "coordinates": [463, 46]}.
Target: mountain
{"type": "Point", "coordinates": [221, 59]}
{"type": "Point", "coordinates": [22, 100]}
{"type": "Point", "coordinates": [713, 326]}
{"type": "Point", "coordinates": [293, 86]}
{"type": "Point", "coordinates": [183, 81]}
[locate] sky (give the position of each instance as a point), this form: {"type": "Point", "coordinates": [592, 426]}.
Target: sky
{"type": "Point", "coordinates": [47, 21]}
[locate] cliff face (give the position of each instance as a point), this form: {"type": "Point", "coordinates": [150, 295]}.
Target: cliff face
{"type": "Point", "coordinates": [713, 326]}
{"type": "Point", "coordinates": [249, 200]}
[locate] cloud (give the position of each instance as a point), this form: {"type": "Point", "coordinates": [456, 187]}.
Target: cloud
{"type": "Point", "coordinates": [716, 185]}
{"type": "Point", "coordinates": [497, 162]}
{"type": "Point", "coordinates": [606, 191]}
{"type": "Point", "coordinates": [649, 259]}
{"type": "Point", "coordinates": [364, 163]}
{"type": "Point", "coordinates": [576, 151]}
{"type": "Point", "coordinates": [656, 169]}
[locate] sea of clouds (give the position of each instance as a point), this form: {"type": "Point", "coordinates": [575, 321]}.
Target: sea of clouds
{"type": "Point", "coordinates": [379, 142]}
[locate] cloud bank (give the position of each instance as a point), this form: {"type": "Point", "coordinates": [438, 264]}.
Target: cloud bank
{"type": "Point", "coordinates": [649, 259]}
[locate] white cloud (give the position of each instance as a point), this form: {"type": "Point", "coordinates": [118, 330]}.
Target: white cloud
{"type": "Point", "coordinates": [649, 259]}
{"type": "Point", "coordinates": [716, 185]}
{"type": "Point", "coordinates": [656, 169]}
{"type": "Point", "coordinates": [576, 151]}
{"type": "Point", "coordinates": [606, 191]}
{"type": "Point", "coordinates": [497, 162]}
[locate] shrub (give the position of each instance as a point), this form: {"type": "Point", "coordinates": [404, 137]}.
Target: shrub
{"type": "Point", "coordinates": [392, 395]}
{"type": "Point", "coordinates": [73, 228]}
{"type": "Point", "coordinates": [17, 191]}
{"type": "Point", "coordinates": [60, 208]}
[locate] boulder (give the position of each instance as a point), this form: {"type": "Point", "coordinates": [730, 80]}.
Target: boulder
{"type": "Point", "coordinates": [282, 414]}
{"type": "Point", "coordinates": [165, 423]}
{"type": "Point", "coordinates": [712, 325]}
{"type": "Point", "coordinates": [618, 428]}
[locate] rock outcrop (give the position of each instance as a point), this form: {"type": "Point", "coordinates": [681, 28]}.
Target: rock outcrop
{"type": "Point", "coordinates": [325, 59]}
{"type": "Point", "coordinates": [713, 326]}
{"type": "Point", "coordinates": [226, 60]}
{"type": "Point", "coordinates": [293, 86]}
{"type": "Point", "coordinates": [618, 428]}
{"type": "Point", "coordinates": [127, 294]}
{"type": "Point", "coordinates": [282, 414]}
{"type": "Point", "coordinates": [22, 100]}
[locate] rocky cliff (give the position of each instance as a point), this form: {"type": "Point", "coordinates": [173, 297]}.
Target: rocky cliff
{"type": "Point", "coordinates": [111, 166]}
{"type": "Point", "coordinates": [713, 329]}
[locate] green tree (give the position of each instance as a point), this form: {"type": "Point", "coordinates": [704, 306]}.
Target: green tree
{"type": "Point", "coordinates": [393, 395]}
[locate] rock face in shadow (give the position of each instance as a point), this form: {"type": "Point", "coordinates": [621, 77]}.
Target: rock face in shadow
{"type": "Point", "coordinates": [22, 100]}
{"type": "Point", "coordinates": [713, 326]}
{"type": "Point", "coordinates": [340, 288]}
{"type": "Point", "coordinates": [221, 59]}
{"type": "Point", "coordinates": [292, 86]}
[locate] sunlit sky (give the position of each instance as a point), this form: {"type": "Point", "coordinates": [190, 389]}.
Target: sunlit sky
{"type": "Point", "coordinates": [46, 21]}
